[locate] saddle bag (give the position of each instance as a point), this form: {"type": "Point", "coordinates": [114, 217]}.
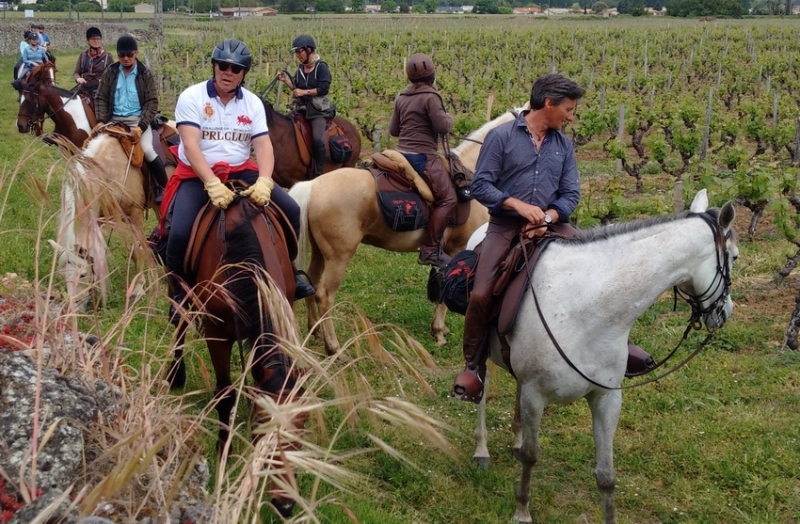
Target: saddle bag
{"type": "Point", "coordinates": [341, 149]}
{"type": "Point", "coordinates": [462, 178]}
{"type": "Point", "coordinates": [457, 281]}
{"type": "Point", "coordinates": [403, 211]}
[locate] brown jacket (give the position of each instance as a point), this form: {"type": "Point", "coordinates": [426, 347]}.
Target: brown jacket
{"type": "Point", "coordinates": [145, 88]}
{"type": "Point", "coordinates": [418, 119]}
{"type": "Point", "coordinates": [91, 69]}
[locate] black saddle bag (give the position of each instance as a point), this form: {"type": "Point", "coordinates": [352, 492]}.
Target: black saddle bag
{"type": "Point", "coordinates": [403, 211]}
{"type": "Point", "coordinates": [458, 280]}
{"type": "Point", "coordinates": [341, 149]}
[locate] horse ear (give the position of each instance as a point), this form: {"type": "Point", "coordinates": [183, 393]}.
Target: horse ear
{"type": "Point", "coordinates": [58, 249]}
{"type": "Point", "coordinates": [700, 202]}
{"type": "Point", "coordinates": [727, 215]}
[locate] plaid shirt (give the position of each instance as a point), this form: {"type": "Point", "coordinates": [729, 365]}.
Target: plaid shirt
{"type": "Point", "coordinates": [145, 88]}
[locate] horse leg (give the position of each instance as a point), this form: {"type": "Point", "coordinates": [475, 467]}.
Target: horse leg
{"type": "Point", "coordinates": [531, 417]}
{"type": "Point", "coordinates": [138, 256]}
{"type": "Point", "coordinates": [605, 408]}
{"type": "Point", "coordinates": [315, 269]}
{"type": "Point", "coordinates": [438, 327]}
{"type": "Point", "coordinates": [220, 350]}
{"type": "Point", "coordinates": [329, 283]}
{"type": "Point", "coordinates": [516, 427]}
{"type": "Point", "coordinates": [481, 455]}
{"type": "Point", "coordinates": [176, 375]}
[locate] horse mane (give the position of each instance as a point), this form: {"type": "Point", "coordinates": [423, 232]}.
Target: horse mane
{"type": "Point", "coordinates": [244, 254]}
{"type": "Point", "coordinates": [587, 236]}
{"type": "Point", "coordinates": [477, 137]}
{"type": "Point", "coordinates": [270, 109]}
{"type": "Point", "coordinates": [60, 91]}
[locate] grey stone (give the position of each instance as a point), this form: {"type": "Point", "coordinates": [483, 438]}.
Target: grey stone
{"type": "Point", "coordinates": [63, 514]}
{"type": "Point", "coordinates": [65, 402]}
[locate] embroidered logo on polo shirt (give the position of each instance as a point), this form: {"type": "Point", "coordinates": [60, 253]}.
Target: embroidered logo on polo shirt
{"type": "Point", "coordinates": [208, 111]}
{"type": "Point", "coordinates": [243, 120]}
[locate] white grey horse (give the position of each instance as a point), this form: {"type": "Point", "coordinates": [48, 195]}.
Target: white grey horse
{"type": "Point", "coordinates": [590, 290]}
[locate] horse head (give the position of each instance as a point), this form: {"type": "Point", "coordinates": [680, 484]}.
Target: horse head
{"type": "Point", "coordinates": [709, 289]}
{"type": "Point", "coordinates": [32, 109]}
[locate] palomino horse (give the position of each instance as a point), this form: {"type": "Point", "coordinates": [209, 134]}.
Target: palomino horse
{"type": "Point", "coordinates": [100, 187]}
{"type": "Point", "coordinates": [234, 256]}
{"type": "Point", "coordinates": [289, 167]}
{"type": "Point", "coordinates": [339, 210]}
{"type": "Point", "coordinates": [570, 337]}
{"type": "Point", "coordinates": [69, 110]}
{"type": "Point", "coordinates": [44, 73]}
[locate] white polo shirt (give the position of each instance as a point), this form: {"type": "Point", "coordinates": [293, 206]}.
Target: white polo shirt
{"type": "Point", "coordinates": [225, 130]}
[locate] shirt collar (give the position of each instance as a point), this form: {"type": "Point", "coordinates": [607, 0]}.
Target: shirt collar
{"type": "Point", "coordinates": [212, 92]}
{"type": "Point", "coordinates": [522, 123]}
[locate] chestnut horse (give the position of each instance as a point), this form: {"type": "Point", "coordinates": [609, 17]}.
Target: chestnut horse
{"type": "Point", "coordinates": [69, 110]}
{"type": "Point", "coordinates": [245, 283]}
{"type": "Point", "coordinates": [289, 167]}
{"type": "Point", "coordinates": [339, 211]}
{"type": "Point", "coordinates": [44, 73]}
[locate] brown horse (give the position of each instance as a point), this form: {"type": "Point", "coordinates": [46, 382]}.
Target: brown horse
{"type": "Point", "coordinates": [70, 111]}
{"type": "Point", "coordinates": [245, 283]}
{"type": "Point", "coordinates": [339, 211]}
{"type": "Point", "coordinates": [44, 73]}
{"type": "Point", "coordinates": [289, 166]}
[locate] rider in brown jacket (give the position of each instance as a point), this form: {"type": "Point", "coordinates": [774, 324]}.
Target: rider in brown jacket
{"type": "Point", "coordinates": [419, 117]}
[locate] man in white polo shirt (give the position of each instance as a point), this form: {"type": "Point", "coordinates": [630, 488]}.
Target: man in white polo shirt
{"type": "Point", "coordinates": [218, 122]}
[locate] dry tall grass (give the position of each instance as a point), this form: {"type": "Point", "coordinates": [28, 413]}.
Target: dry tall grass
{"type": "Point", "coordinates": [148, 442]}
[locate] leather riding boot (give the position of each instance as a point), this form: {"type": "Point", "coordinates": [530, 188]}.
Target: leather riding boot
{"type": "Point", "coordinates": [430, 252]}
{"type": "Point", "coordinates": [178, 295]}
{"type": "Point", "coordinates": [639, 361]}
{"type": "Point", "coordinates": [159, 174]}
{"type": "Point", "coordinates": [303, 285]}
{"type": "Point", "coordinates": [318, 152]}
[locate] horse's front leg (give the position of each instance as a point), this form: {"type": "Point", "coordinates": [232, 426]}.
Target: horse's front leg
{"type": "Point", "coordinates": [438, 327]}
{"type": "Point", "coordinates": [481, 455]}
{"type": "Point", "coordinates": [516, 427]}
{"type": "Point", "coordinates": [176, 375]}
{"type": "Point", "coordinates": [531, 407]}
{"type": "Point", "coordinates": [605, 408]}
{"type": "Point", "coordinates": [220, 350]}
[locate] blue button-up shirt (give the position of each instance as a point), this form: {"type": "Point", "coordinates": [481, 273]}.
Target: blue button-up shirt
{"type": "Point", "coordinates": [31, 56]}
{"type": "Point", "coordinates": [510, 166]}
{"type": "Point", "coordinates": [126, 98]}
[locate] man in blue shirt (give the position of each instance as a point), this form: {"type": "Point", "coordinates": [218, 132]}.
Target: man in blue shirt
{"type": "Point", "coordinates": [128, 94]}
{"type": "Point", "coordinates": [526, 175]}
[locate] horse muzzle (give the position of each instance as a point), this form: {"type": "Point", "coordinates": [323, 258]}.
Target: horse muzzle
{"type": "Point", "coordinates": [720, 314]}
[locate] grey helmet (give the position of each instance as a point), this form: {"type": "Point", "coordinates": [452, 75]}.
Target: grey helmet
{"type": "Point", "coordinates": [234, 52]}
{"type": "Point", "coordinates": [303, 41]}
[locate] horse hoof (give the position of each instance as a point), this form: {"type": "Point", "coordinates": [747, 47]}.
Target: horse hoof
{"type": "Point", "coordinates": [440, 340]}
{"type": "Point", "coordinates": [482, 462]}
{"type": "Point", "coordinates": [284, 508]}
{"type": "Point", "coordinates": [176, 376]}
{"type": "Point", "coordinates": [516, 453]}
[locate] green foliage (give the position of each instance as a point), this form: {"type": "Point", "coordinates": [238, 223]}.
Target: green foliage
{"type": "Point", "coordinates": [698, 8]}
{"type": "Point", "coordinates": [113, 6]}
{"type": "Point", "coordinates": [631, 7]}
{"type": "Point", "coordinates": [357, 5]}
{"type": "Point", "coordinates": [292, 6]}
{"type": "Point", "coordinates": [599, 7]}
{"type": "Point", "coordinates": [485, 7]}
{"type": "Point", "coordinates": [389, 6]}
{"type": "Point", "coordinates": [616, 149]}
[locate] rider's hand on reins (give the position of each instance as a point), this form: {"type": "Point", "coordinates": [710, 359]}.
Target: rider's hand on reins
{"type": "Point", "coordinates": [261, 191]}
{"type": "Point", "coordinates": [136, 134]}
{"type": "Point", "coordinates": [220, 195]}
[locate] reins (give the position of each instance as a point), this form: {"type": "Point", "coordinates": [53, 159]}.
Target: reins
{"type": "Point", "coordinates": [695, 302]}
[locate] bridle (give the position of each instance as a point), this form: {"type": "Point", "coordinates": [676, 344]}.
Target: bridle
{"type": "Point", "coordinates": [722, 279]}
{"type": "Point", "coordinates": [35, 126]}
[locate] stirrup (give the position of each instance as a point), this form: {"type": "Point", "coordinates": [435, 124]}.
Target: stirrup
{"type": "Point", "coordinates": [639, 362]}
{"type": "Point", "coordinates": [468, 386]}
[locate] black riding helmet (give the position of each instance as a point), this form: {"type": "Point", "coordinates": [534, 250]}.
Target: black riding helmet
{"type": "Point", "coordinates": [92, 32]}
{"type": "Point", "coordinates": [234, 52]}
{"type": "Point", "coordinates": [127, 44]}
{"type": "Point", "coordinates": [303, 41]}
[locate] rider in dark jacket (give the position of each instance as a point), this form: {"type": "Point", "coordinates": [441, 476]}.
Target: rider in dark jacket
{"type": "Point", "coordinates": [310, 87]}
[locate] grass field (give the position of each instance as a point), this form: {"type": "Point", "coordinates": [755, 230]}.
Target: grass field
{"type": "Point", "coordinates": [716, 442]}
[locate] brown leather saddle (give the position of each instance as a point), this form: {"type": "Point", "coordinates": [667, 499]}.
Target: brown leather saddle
{"type": "Point", "coordinates": [514, 280]}
{"type": "Point", "coordinates": [305, 138]}
{"type": "Point", "coordinates": [278, 227]}
{"type": "Point", "coordinates": [390, 178]}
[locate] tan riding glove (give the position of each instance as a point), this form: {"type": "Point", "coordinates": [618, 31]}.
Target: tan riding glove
{"type": "Point", "coordinates": [219, 194]}
{"type": "Point", "coordinates": [261, 191]}
{"type": "Point", "coordinates": [96, 129]}
{"type": "Point", "coordinates": [136, 134]}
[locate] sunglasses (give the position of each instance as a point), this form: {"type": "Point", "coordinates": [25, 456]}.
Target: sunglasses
{"type": "Point", "coordinates": [126, 55]}
{"type": "Point", "coordinates": [235, 68]}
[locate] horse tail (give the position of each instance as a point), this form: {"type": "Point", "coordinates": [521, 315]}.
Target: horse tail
{"type": "Point", "coordinates": [301, 193]}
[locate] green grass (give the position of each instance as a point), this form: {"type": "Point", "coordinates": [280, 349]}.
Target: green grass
{"type": "Point", "coordinates": [716, 442]}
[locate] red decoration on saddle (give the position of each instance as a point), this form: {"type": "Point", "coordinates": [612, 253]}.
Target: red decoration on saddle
{"type": "Point", "coordinates": [244, 120]}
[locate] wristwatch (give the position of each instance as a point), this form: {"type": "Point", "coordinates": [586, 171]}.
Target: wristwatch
{"type": "Point", "coordinates": [548, 219]}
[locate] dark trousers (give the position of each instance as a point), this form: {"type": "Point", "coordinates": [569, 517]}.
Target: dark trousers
{"type": "Point", "coordinates": [444, 202]}
{"type": "Point", "coordinates": [495, 248]}
{"type": "Point", "coordinates": [318, 125]}
{"type": "Point", "coordinates": [190, 199]}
